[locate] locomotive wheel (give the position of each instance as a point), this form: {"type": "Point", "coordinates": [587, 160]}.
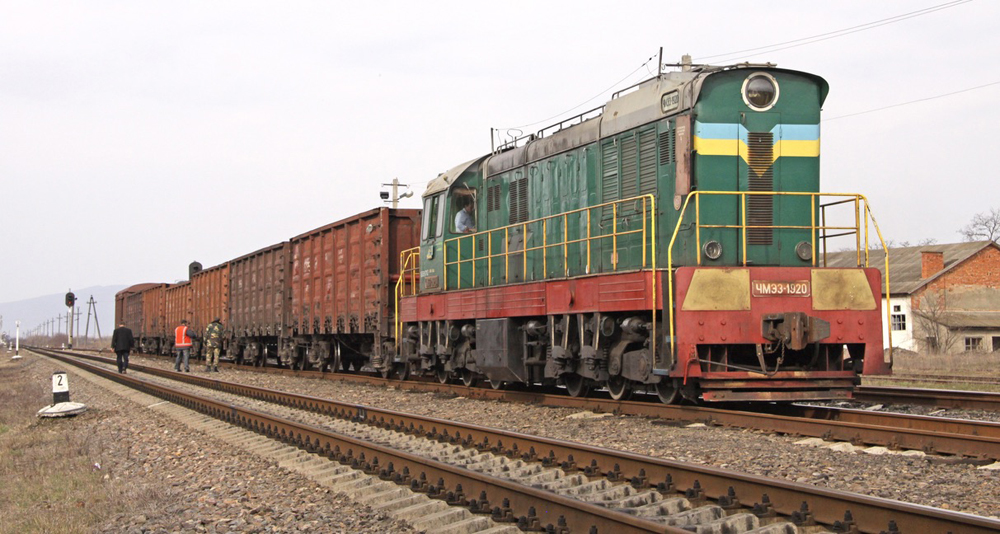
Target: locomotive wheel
{"type": "Point", "coordinates": [576, 385]}
{"type": "Point", "coordinates": [496, 384]}
{"type": "Point", "coordinates": [619, 387]}
{"type": "Point", "coordinates": [667, 391]}
{"type": "Point", "coordinates": [468, 378]}
{"type": "Point", "coordinates": [442, 375]}
{"type": "Point", "coordinates": [386, 372]}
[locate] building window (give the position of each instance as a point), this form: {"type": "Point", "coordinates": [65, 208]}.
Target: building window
{"type": "Point", "coordinates": [898, 321]}
{"type": "Point", "coordinates": [973, 344]}
{"type": "Point", "coordinates": [896, 308]}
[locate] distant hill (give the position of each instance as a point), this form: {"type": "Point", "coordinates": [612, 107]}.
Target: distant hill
{"type": "Point", "coordinates": [33, 312]}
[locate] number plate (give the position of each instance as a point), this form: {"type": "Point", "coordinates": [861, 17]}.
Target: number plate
{"type": "Point", "coordinates": [778, 288]}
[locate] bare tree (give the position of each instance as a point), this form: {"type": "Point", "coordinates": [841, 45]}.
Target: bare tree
{"type": "Point", "coordinates": [983, 226]}
{"type": "Point", "coordinates": [929, 322]}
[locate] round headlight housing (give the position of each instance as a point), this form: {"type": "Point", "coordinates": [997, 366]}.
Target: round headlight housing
{"type": "Point", "coordinates": [760, 91]}
{"type": "Point", "coordinates": [804, 251]}
{"type": "Point", "coordinates": [712, 250]}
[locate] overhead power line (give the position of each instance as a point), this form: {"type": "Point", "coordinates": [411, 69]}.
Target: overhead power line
{"type": "Point", "coordinates": [837, 33]}
{"type": "Point", "coordinates": [912, 101]}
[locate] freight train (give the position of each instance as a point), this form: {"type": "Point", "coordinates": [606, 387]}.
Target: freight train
{"type": "Point", "coordinates": [670, 241]}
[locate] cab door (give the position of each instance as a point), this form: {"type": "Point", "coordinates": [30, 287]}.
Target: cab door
{"type": "Point", "coordinates": [431, 257]}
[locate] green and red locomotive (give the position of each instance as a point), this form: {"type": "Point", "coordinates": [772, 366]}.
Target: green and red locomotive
{"type": "Point", "coordinates": [669, 241]}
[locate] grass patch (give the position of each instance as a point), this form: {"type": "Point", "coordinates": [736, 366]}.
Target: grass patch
{"type": "Point", "coordinates": [50, 482]}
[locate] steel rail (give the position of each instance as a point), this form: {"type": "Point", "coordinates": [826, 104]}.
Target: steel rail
{"type": "Point", "coordinates": [551, 508]}
{"type": "Point", "coordinates": [976, 439]}
{"type": "Point", "coordinates": [826, 506]}
{"type": "Point", "coordinates": [942, 398]}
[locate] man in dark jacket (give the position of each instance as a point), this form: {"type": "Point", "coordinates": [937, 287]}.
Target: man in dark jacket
{"type": "Point", "coordinates": [121, 343]}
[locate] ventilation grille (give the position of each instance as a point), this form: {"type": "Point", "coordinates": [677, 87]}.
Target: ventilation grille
{"type": "Point", "coordinates": [760, 209]}
{"type": "Point", "coordinates": [647, 162]}
{"type": "Point", "coordinates": [667, 147]}
{"type": "Point", "coordinates": [629, 164]}
{"type": "Point", "coordinates": [609, 179]}
{"type": "Point", "coordinates": [518, 201]}
{"type": "Point", "coordinates": [493, 198]}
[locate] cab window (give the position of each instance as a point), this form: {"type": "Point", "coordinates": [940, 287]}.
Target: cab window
{"type": "Point", "coordinates": [432, 217]}
{"type": "Point", "coordinates": [464, 210]}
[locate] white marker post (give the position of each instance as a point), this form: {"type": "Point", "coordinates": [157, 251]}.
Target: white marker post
{"type": "Point", "coordinates": [61, 406]}
{"type": "Point", "coordinates": [17, 342]}
{"type": "Point", "coordinates": [60, 387]}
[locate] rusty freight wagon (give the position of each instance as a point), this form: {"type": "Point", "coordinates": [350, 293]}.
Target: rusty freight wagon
{"type": "Point", "coordinates": [129, 307]}
{"type": "Point", "coordinates": [209, 299]}
{"type": "Point", "coordinates": [153, 332]}
{"type": "Point", "coordinates": [177, 307]}
{"type": "Point", "coordinates": [258, 294]}
{"type": "Point", "coordinates": [342, 280]}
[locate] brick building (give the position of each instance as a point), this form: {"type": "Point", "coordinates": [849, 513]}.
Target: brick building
{"type": "Point", "coordinates": [943, 297]}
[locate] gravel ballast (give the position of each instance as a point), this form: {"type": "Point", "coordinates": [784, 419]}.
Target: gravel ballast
{"type": "Point", "coordinates": [922, 480]}
{"type": "Point", "coordinates": [175, 479]}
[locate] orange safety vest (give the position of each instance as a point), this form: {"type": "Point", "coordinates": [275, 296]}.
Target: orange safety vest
{"type": "Point", "coordinates": [181, 339]}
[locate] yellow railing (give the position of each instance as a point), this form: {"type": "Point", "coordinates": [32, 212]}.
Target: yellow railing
{"type": "Point", "coordinates": [821, 232]}
{"type": "Point", "coordinates": [409, 273]}
{"type": "Point", "coordinates": [643, 207]}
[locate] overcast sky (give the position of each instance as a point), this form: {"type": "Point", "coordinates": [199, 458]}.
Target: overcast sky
{"type": "Point", "coordinates": [136, 137]}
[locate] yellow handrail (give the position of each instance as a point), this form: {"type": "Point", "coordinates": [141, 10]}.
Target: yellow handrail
{"type": "Point", "coordinates": [648, 246]}
{"type": "Point", "coordinates": [646, 232]}
{"type": "Point", "coordinates": [862, 210]}
{"type": "Point", "coordinates": [408, 270]}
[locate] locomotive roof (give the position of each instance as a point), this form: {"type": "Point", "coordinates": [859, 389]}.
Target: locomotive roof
{"type": "Point", "coordinates": [629, 108]}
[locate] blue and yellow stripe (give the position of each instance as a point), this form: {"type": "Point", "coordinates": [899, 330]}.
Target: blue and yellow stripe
{"type": "Point", "coordinates": [730, 139]}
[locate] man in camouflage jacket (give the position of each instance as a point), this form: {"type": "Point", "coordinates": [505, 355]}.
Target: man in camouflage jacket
{"type": "Point", "coordinates": [213, 342]}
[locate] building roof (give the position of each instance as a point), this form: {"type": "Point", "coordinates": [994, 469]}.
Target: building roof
{"type": "Point", "coordinates": [905, 263]}
{"type": "Point", "coordinates": [970, 319]}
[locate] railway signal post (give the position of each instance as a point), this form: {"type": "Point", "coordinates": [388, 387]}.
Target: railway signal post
{"type": "Point", "coordinates": [17, 341]}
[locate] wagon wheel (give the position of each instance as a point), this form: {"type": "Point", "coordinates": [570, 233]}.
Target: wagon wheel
{"type": "Point", "coordinates": [402, 370]}
{"type": "Point", "coordinates": [496, 384]}
{"type": "Point", "coordinates": [667, 391]}
{"type": "Point", "coordinates": [335, 361]}
{"type": "Point", "coordinates": [576, 385]}
{"type": "Point", "coordinates": [441, 374]}
{"type": "Point", "coordinates": [387, 365]}
{"type": "Point", "coordinates": [619, 387]}
{"type": "Point", "coordinates": [468, 378]}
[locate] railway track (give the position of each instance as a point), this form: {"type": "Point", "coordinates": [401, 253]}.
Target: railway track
{"type": "Point", "coordinates": [934, 435]}
{"type": "Point", "coordinates": [572, 487]}
{"type": "Point", "coordinates": [940, 398]}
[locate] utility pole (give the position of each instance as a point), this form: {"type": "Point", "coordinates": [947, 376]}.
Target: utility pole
{"type": "Point", "coordinates": [92, 305]}
{"type": "Point", "coordinates": [395, 193]}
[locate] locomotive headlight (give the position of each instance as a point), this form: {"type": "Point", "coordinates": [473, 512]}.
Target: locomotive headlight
{"type": "Point", "coordinates": [712, 250]}
{"type": "Point", "coordinates": [760, 91]}
{"type": "Point", "coordinates": [804, 250]}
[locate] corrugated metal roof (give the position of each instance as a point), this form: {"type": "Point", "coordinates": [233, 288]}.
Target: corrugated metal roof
{"type": "Point", "coordinates": [905, 263]}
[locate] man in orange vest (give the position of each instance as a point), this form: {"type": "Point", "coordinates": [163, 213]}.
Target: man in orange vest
{"type": "Point", "coordinates": [183, 337]}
